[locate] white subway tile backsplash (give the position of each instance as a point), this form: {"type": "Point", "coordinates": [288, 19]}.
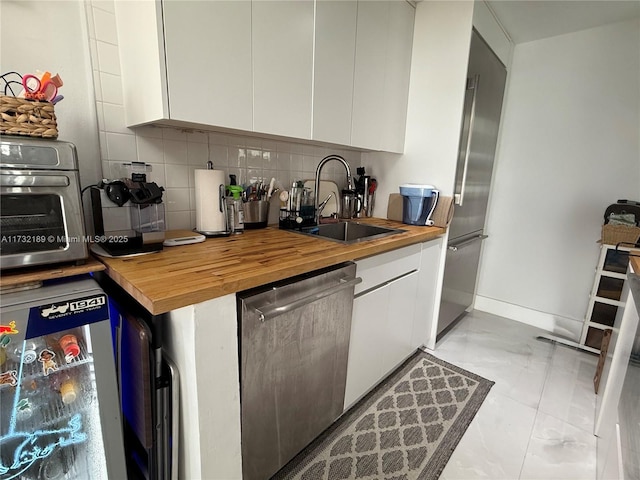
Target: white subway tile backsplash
{"type": "Point", "coordinates": [219, 139]}
{"type": "Point", "coordinates": [108, 58]}
{"type": "Point", "coordinates": [197, 154]}
{"type": "Point", "coordinates": [149, 131]}
{"type": "Point", "coordinates": [114, 118]}
{"type": "Point", "coordinates": [157, 173]}
{"type": "Point", "coordinates": [177, 199]}
{"type": "Point", "coordinates": [105, 26]}
{"type": "Point", "coordinates": [296, 162]}
{"type": "Point", "coordinates": [179, 221]}
{"type": "Point", "coordinates": [111, 88]}
{"type": "Point", "coordinates": [106, 169]}
{"type": "Point", "coordinates": [269, 161]}
{"type": "Point", "coordinates": [197, 137]}
{"type": "Point", "coordinates": [192, 174]}
{"type": "Point", "coordinates": [151, 150]}
{"type": "Point", "coordinates": [254, 158]}
{"type": "Point", "coordinates": [237, 157]}
{"type": "Point", "coordinates": [283, 161]}
{"type": "Point", "coordinates": [176, 176]}
{"type": "Point", "coordinates": [175, 151]}
{"type": "Point", "coordinates": [218, 155]}
{"type": "Point", "coordinates": [192, 199]}
{"type": "Point", "coordinates": [121, 147]}
{"type": "Point", "coordinates": [174, 134]}
{"type": "Point", "coordinates": [309, 163]}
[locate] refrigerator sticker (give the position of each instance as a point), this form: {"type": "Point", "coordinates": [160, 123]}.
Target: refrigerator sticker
{"type": "Point", "coordinates": [74, 307]}
{"type": "Point", "coordinates": [9, 377]}
{"type": "Point", "coordinates": [64, 315]}
{"type": "Point", "coordinates": [48, 363]}
{"type": "Point", "coordinates": [9, 329]}
{"type": "Point", "coordinates": [30, 447]}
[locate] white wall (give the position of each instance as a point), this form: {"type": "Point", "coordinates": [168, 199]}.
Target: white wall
{"type": "Point", "coordinates": [52, 36]}
{"type": "Point", "coordinates": [569, 147]}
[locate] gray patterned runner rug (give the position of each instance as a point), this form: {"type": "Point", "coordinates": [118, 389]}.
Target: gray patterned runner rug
{"type": "Point", "coordinates": [405, 429]}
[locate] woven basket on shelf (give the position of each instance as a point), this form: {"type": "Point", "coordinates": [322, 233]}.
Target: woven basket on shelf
{"type": "Point", "coordinates": [27, 117]}
{"type": "Point", "coordinates": [614, 234]}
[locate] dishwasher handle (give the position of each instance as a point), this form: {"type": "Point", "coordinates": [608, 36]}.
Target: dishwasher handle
{"type": "Point", "coordinates": [273, 311]}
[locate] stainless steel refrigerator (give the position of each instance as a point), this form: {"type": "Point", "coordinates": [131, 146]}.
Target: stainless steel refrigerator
{"type": "Point", "coordinates": [486, 78]}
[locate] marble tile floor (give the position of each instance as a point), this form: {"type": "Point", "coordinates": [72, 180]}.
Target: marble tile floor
{"type": "Point", "coordinates": [537, 421]}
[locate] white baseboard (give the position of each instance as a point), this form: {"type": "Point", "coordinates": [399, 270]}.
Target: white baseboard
{"type": "Point", "coordinates": [556, 324]}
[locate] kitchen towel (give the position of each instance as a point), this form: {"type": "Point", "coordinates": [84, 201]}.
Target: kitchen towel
{"type": "Point", "coordinates": [210, 216]}
{"type": "Point", "coordinates": [441, 217]}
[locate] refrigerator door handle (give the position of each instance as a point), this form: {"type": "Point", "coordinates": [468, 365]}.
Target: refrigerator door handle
{"type": "Point", "coordinates": [458, 196]}
{"type": "Point", "coordinates": [457, 246]}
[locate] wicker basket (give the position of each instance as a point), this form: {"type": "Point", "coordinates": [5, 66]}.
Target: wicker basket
{"type": "Point", "coordinates": [614, 234]}
{"type": "Point", "coordinates": [27, 117]}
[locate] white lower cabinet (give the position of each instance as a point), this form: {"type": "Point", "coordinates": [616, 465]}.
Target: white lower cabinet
{"type": "Point", "coordinates": [399, 324]}
{"type": "Point", "coordinates": [367, 341]}
{"type": "Point", "coordinates": [383, 318]}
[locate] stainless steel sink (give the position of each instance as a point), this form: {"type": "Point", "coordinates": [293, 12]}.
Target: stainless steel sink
{"type": "Point", "coordinates": [348, 232]}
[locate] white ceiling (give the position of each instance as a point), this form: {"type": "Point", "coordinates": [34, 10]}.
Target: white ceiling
{"type": "Point", "coordinates": [528, 20]}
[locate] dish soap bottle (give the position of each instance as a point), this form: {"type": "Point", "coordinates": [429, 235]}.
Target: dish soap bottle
{"type": "Point", "coordinates": [235, 210]}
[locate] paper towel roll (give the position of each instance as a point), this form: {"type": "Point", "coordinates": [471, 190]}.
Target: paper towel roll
{"type": "Point", "coordinates": [210, 216]}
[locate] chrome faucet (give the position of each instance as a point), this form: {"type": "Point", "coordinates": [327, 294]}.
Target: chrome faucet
{"type": "Point", "coordinates": [350, 184]}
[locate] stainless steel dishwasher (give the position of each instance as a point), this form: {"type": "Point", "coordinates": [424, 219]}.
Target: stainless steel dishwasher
{"type": "Point", "coordinates": [294, 342]}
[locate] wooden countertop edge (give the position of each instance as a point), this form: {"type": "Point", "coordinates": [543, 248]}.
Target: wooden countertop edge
{"type": "Point", "coordinates": [338, 253]}
{"type": "Point", "coordinates": [36, 274]}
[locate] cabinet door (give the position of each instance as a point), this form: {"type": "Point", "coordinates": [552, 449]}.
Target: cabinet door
{"type": "Point", "coordinates": [381, 79]}
{"type": "Point", "coordinates": [282, 45]}
{"type": "Point", "coordinates": [397, 73]}
{"type": "Point", "coordinates": [208, 55]}
{"type": "Point", "coordinates": [335, 43]}
{"type": "Point", "coordinates": [368, 83]}
{"type": "Point", "coordinates": [425, 323]}
{"type": "Point", "coordinates": [367, 343]}
{"type": "Point", "coordinates": [399, 324]}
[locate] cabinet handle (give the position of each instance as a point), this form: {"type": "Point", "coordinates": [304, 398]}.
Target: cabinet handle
{"type": "Point", "coordinates": [472, 84]}
{"type": "Point", "coordinates": [274, 311]}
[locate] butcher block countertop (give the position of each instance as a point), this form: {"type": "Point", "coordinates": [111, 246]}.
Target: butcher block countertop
{"type": "Point", "coordinates": [190, 274]}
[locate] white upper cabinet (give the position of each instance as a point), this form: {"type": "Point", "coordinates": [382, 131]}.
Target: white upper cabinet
{"type": "Point", "coordinates": [397, 72]}
{"type": "Point", "coordinates": [382, 69]}
{"type": "Point", "coordinates": [186, 61]}
{"type": "Point", "coordinates": [335, 43]}
{"type": "Point", "coordinates": [334, 71]}
{"type": "Point", "coordinates": [208, 55]}
{"type": "Point", "coordinates": [282, 40]}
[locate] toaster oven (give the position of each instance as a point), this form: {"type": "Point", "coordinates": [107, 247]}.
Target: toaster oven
{"type": "Point", "coordinates": [41, 217]}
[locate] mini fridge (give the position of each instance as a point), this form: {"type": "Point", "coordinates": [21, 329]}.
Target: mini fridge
{"type": "Point", "coordinates": [59, 410]}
